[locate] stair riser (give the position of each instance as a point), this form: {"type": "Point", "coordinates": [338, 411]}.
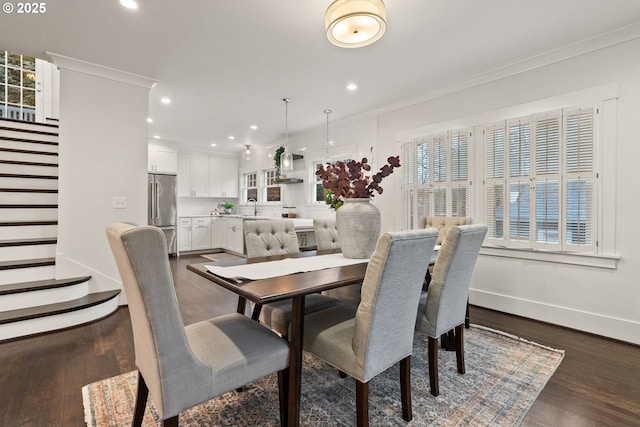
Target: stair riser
{"type": "Point", "coordinates": [60, 321]}
{"type": "Point", "coordinates": [29, 126]}
{"type": "Point", "coordinates": [27, 274]}
{"type": "Point", "coordinates": [47, 214]}
{"type": "Point", "coordinates": [28, 232]}
{"type": "Point", "coordinates": [29, 169]}
{"type": "Point", "coordinates": [27, 145]}
{"type": "Point", "coordinates": [15, 198]}
{"type": "Point", "coordinates": [43, 297]}
{"type": "Point", "coordinates": [18, 253]}
{"type": "Point", "coordinates": [27, 157]}
{"type": "Point", "coordinates": [50, 184]}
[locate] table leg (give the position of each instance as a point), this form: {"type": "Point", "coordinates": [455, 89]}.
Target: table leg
{"type": "Point", "coordinates": [242, 305]}
{"type": "Point", "coordinates": [295, 360]}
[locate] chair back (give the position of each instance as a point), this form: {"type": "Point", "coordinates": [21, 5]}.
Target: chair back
{"type": "Point", "coordinates": [443, 224]}
{"type": "Point", "coordinates": [270, 237]}
{"type": "Point", "coordinates": [326, 234]}
{"type": "Point", "coordinates": [385, 318]}
{"type": "Point", "coordinates": [449, 287]}
{"type": "Point", "coordinates": [162, 353]}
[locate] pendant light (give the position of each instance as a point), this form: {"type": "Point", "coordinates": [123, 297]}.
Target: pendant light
{"type": "Point", "coordinates": [327, 160]}
{"type": "Point", "coordinates": [286, 158]}
{"type": "Point", "coordinates": [246, 153]}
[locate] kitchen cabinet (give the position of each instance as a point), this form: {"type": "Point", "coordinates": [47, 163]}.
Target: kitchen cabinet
{"type": "Point", "coordinates": [200, 233]}
{"type": "Point", "coordinates": [193, 175]}
{"type": "Point", "coordinates": [218, 232]}
{"type": "Point", "coordinates": [234, 235]}
{"type": "Point", "coordinates": [162, 159]}
{"type": "Point", "coordinates": [223, 177]}
{"type": "Point", "coordinates": [184, 234]}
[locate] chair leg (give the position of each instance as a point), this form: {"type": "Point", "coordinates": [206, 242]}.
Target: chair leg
{"type": "Point", "coordinates": [362, 404]}
{"type": "Point", "coordinates": [467, 323]}
{"type": "Point", "coordinates": [405, 388]}
{"type": "Point", "coordinates": [141, 401]}
{"type": "Point", "coordinates": [256, 312]}
{"type": "Point", "coordinates": [433, 366]}
{"type": "Point", "coordinates": [171, 422]}
{"type": "Point", "coordinates": [283, 394]}
{"type": "Point", "coordinates": [460, 348]}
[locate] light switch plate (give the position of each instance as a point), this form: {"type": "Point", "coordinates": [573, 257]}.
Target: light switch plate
{"type": "Point", "coordinates": [119, 203]}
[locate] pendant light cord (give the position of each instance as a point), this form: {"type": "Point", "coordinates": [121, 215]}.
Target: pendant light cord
{"type": "Point", "coordinates": [327, 112]}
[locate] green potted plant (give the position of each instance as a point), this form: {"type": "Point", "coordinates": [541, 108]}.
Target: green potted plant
{"type": "Point", "coordinates": [227, 206]}
{"type": "Point", "coordinates": [276, 161]}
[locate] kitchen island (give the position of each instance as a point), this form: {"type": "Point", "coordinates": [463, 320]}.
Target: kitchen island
{"type": "Point", "coordinates": [201, 233]}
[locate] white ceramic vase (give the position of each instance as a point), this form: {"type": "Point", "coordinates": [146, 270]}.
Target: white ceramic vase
{"type": "Point", "coordinates": [358, 225]}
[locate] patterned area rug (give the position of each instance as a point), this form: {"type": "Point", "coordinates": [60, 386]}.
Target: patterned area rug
{"type": "Point", "coordinates": [220, 256]}
{"type": "Point", "coordinates": [504, 375]}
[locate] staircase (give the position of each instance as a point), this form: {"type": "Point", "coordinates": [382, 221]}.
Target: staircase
{"type": "Point", "coordinates": [32, 299]}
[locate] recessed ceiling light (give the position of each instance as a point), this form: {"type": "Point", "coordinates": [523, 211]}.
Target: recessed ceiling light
{"type": "Point", "coordinates": [129, 4]}
{"type": "Point", "coordinates": [149, 120]}
{"type": "Point", "coordinates": [269, 155]}
{"type": "Point", "coordinates": [165, 100]}
{"type": "Point", "coordinates": [156, 137]}
{"type": "Point", "coordinates": [213, 145]}
{"type": "Point", "coordinates": [254, 127]}
{"type": "Point", "coordinates": [332, 142]}
{"type": "Point", "coordinates": [231, 137]}
{"type": "Point", "coordinates": [352, 86]}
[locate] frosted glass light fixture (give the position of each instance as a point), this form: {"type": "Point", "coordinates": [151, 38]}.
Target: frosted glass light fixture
{"type": "Point", "coordinates": [246, 153]}
{"type": "Point", "coordinates": [286, 158]}
{"type": "Point", "coordinates": [355, 23]}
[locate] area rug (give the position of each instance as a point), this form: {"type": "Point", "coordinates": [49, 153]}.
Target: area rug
{"type": "Point", "coordinates": [504, 375]}
{"type": "Point", "coordinates": [220, 256]}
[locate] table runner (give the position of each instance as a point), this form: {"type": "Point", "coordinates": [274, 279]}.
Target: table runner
{"type": "Point", "coordinates": [268, 269]}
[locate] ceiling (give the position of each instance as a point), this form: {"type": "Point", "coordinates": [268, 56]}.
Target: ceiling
{"type": "Point", "coordinates": [226, 65]}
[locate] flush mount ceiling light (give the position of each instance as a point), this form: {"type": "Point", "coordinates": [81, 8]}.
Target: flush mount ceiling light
{"type": "Point", "coordinates": [246, 153]}
{"type": "Point", "coordinates": [355, 23]}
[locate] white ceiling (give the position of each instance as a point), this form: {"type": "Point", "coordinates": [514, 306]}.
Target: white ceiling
{"type": "Point", "coordinates": [227, 64]}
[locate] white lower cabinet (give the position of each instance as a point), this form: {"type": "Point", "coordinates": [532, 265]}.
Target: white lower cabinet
{"type": "Point", "coordinates": [184, 235]}
{"type": "Point", "coordinates": [200, 233]}
{"type": "Point", "coordinates": [234, 235]}
{"type": "Point", "coordinates": [218, 238]}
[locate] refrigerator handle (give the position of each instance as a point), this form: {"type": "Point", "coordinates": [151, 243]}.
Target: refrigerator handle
{"type": "Point", "coordinates": [157, 203]}
{"type": "Point", "coordinates": [153, 203]}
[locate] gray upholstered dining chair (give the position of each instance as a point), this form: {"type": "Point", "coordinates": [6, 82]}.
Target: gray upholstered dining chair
{"type": "Point", "coordinates": [443, 306]}
{"type": "Point", "coordinates": [327, 238]}
{"type": "Point", "coordinates": [366, 340]}
{"type": "Point", "coordinates": [270, 237]}
{"type": "Point", "coordinates": [184, 366]}
{"type": "Point", "coordinates": [278, 237]}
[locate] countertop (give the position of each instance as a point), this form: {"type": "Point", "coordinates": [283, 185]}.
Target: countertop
{"type": "Point", "coordinates": [301, 224]}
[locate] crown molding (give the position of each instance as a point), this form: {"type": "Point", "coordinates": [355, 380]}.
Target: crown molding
{"type": "Point", "coordinates": [84, 67]}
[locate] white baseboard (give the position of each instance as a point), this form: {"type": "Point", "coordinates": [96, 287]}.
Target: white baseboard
{"type": "Point", "coordinates": [608, 326]}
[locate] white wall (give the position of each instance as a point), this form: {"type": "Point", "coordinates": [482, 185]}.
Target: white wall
{"type": "Point", "coordinates": [599, 300]}
{"type": "Point", "coordinates": [102, 154]}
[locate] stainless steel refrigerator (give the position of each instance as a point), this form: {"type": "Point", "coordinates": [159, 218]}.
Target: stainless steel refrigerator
{"type": "Point", "coordinates": [162, 209]}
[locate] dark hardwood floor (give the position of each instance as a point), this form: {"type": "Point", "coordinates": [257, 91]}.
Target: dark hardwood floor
{"type": "Point", "coordinates": [597, 384]}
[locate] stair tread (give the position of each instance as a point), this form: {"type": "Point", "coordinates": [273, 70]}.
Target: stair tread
{"type": "Point", "coordinates": [31, 124]}
{"type": "Point", "coordinates": [26, 175]}
{"type": "Point", "coordinates": [86, 301]}
{"type": "Point", "coordinates": [28, 190]}
{"type": "Point", "coordinates": [29, 206]}
{"type": "Point", "coordinates": [26, 263]}
{"type": "Point", "coordinates": [25, 163]}
{"type": "Point", "coordinates": [22, 151]}
{"type": "Point", "coordinates": [38, 285]}
{"type": "Point", "coordinates": [29, 242]}
{"type": "Point", "coordinates": [27, 223]}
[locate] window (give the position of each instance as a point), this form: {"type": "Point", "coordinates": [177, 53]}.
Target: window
{"type": "Point", "coordinates": [17, 86]}
{"type": "Point", "coordinates": [436, 176]}
{"type": "Point", "coordinates": [547, 194]}
{"type": "Point", "coordinates": [318, 189]}
{"type": "Point", "coordinates": [250, 186]}
{"type": "Point", "coordinates": [272, 189]}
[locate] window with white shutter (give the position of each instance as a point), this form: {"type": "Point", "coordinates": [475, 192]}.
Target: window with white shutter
{"type": "Point", "coordinates": [494, 180]}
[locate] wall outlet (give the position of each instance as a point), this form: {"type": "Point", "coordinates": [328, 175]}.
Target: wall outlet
{"type": "Point", "coordinates": [119, 203]}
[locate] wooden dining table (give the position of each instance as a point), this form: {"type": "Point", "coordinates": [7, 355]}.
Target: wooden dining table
{"type": "Point", "coordinates": [292, 286]}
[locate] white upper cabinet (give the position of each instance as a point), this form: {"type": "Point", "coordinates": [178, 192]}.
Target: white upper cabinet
{"type": "Point", "coordinates": [193, 175]}
{"type": "Point", "coordinates": [223, 177]}
{"type": "Point", "coordinates": [162, 159]}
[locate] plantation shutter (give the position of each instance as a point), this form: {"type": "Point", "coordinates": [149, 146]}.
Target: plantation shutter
{"type": "Point", "coordinates": [460, 183]}
{"type": "Point", "coordinates": [547, 177]}
{"type": "Point", "coordinates": [494, 179]}
{"type": "Point", "coordinates": [579, 199]}
{"type": "Point", "coordinates": [439, 144]}
{"type": "Point", "coordinates": [408, 184]}
{"type": "Point", "coordinates": [519, 180]}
